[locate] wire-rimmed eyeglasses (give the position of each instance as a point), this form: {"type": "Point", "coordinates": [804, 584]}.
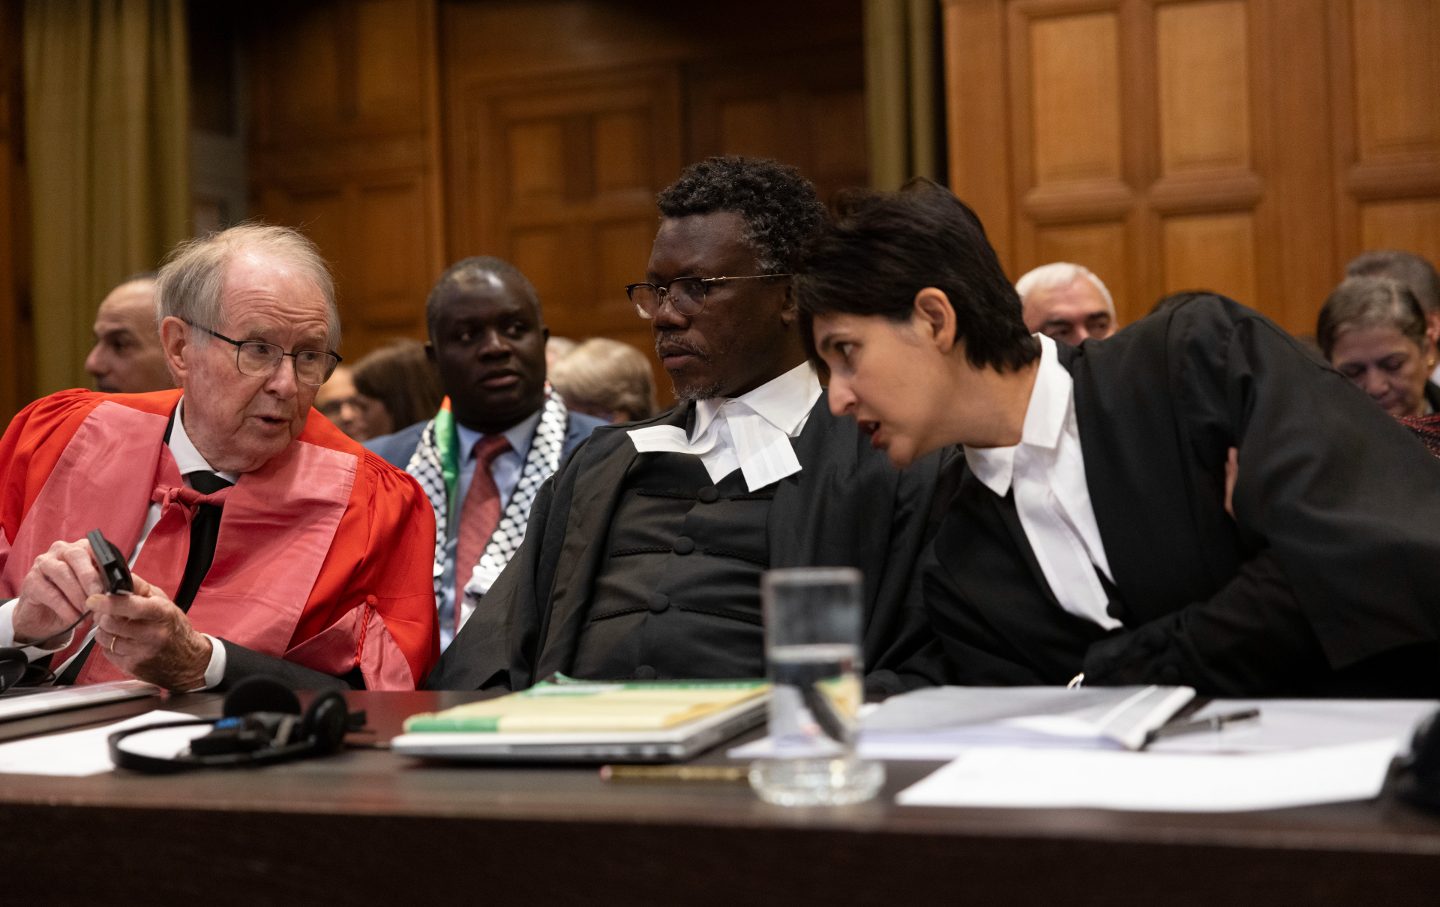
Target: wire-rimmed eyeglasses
{"type": "Point", "coordinates": [686, 294]}
{"type": "Point", "coordinates": [259, 359]}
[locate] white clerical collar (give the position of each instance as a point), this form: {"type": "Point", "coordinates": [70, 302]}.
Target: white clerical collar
{"type": "Point", "coordinates": [1050, 401]}
{"type": "Point", "coordinates": [750, 432]}
{"type": "Point", "coordinates": [187, 457]}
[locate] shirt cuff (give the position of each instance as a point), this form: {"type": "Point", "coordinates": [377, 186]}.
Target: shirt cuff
{"type": "Point", "coordinates": [7, 633]}
{"type": "Point", "coordinates": [215, 671]}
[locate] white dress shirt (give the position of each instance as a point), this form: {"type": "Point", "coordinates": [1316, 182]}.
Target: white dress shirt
{"type": "Point", "coordinates": [189, 460]}
{"type": "Point", "coordinates": [750, 432]}
{"type": "Point", "coordinates": [1047, 471]}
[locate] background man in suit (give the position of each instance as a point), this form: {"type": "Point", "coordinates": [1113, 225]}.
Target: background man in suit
{"type": "Point", "coordinates": [1093, 530]}
{"type": "Point", "coordinates": [1068, 302]}
{"type": "Point", "coordinates": [644, 553]}
{"type": "Point", "coordinates": [127, 357]}
{"type": "Point", "coordinates": [500, 433]}
{"type": "Point", "coordinates": [268, 542]}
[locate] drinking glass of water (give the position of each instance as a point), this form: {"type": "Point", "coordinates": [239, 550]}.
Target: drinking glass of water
{"type": "Point", "coordinates": [813, 618]}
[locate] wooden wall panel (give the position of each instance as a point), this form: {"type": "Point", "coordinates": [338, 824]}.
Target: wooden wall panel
{"type": "Point", "coordinates": [393, 262]}
{"type": "Point", "coordinates": [564, 118]}
{"type": "Point", "coordinates": [1204, 86]}
{"type": "Point", "coordinates": [558, 176]}
{"type": "Point", "coordinates": [1385, 85]}
{"type": "Point", "coordinates": [807, 109]}
{"type": "Point", "coordinates": [17, 366]}
{"type": "Point", "coordinates": [347, 149]}
{"type": "Point", "coordinates": [1074, 66]}
{"type": "Point", "coordinates": [1210, 252]}
{"type": "Point", "coordinates": [1397, 76]}
{"type": "Point", "coordinates": [1410, 224]}
{"type": "Point", "coordinates": [1251, 146]}
{"type": "Point", "coordinates": [1102, 248]}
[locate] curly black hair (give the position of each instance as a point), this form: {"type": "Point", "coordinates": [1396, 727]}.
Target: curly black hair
{"type": "Point", "coordinates": [779, 206]}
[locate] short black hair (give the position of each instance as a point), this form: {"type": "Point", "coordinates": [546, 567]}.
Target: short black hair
{"type": "Point", "coordinates": [469, 269]}
{"type": "Point", "coordinates": [884, 247]}
{"type": "Point", "coordinates": [779, 206]}
{"type": "Point", "coordinates": [1407, 267]}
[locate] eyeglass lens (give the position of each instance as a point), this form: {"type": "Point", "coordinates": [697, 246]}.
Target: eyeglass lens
{"type": "Point", "coordinates": [258, 360]}
{"type": "Point", "coordinates": [686, 295]}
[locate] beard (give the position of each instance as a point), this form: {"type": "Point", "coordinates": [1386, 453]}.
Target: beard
{"type": "Point", "coordinates": [692, 391]}
{"type": "Point", "coordinates": [689, 389]}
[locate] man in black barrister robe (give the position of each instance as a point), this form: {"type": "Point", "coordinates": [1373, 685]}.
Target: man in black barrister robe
{"type": "Point", "coordinates": [643, 554]}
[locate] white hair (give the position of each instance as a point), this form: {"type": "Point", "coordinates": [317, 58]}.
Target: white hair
{"type": "Point", "coordinates": [1061, 274]}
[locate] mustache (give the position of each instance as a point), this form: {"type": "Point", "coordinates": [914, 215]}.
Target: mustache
{"type": "Point", "coordinates": [672, 346]}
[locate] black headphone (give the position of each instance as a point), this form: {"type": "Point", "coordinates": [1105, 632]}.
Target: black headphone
{"type": "Point", "coordinates": [13, 665]}
{"type": "Point", "coordinates": [1419, 777]}
{"type": "Point", "coordinates": [262, 725]}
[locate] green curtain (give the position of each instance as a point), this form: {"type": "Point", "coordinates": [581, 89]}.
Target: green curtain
{"type": "Point", "coordinates": [107, 138]}
{"type": "Point", "coordinates": [904, 116]}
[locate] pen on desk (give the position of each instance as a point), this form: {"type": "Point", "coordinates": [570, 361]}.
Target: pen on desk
{"type": "Point", "coordinates": [1212, 723]}
{"type": "Point", "coordinates": [721, 773]}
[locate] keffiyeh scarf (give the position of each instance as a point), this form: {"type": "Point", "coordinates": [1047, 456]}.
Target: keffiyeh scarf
{"type": "Point", "coordinates": [436, 466]}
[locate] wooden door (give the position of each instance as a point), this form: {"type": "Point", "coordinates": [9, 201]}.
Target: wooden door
{"type": "Point", "coordinates": [1245, 146]}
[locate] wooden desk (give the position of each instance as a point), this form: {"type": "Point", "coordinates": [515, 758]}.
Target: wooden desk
{"type": "Point", "coordinates": [368, 826]}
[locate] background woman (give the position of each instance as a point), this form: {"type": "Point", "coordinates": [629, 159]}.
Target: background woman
{"type": "Point", "coordinates": [397, 385]}
{"type": "Point", "coordinates": [1372, 330]}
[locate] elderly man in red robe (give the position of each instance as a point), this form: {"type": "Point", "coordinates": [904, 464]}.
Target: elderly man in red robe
{"type": "Point", "coordinates": [261, 539]}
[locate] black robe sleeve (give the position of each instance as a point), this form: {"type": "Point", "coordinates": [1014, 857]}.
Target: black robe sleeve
{"type": "Point", "coordinates": [1324, 581]}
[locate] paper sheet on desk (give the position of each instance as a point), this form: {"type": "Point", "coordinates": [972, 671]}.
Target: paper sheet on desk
{"type": "Point", "coordinates": [1155, 782]}
{"type": "Point", "coordinates": [87, 752]}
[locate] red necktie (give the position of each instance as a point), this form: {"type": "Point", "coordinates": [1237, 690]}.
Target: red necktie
{"type": "Point", "coordinates": [479, 516]}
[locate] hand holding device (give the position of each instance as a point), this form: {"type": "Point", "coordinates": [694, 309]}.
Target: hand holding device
{"type": "Point", "coordinates": [114, 570]}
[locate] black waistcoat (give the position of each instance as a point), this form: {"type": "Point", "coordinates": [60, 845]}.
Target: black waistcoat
{"type": "Point", "coordinates": [678, 593]}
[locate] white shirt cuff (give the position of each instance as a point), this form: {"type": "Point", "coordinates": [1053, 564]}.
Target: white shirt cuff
{"type": "Point", "coordinates": [7, 633]}
{"type": "Point", "coordinates": [215, 671]}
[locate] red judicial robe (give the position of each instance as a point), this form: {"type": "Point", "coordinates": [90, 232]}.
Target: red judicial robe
{"type": "Point", "coordinates": [324, 553]}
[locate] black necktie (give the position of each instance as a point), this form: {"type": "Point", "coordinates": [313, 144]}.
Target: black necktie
{"type": "Point", "coordinates": [204, 530]}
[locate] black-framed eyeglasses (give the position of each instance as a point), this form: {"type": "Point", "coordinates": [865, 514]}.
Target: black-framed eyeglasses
{"type": "Point", "coordinates": [686, 294]}
{"type": "Point", "coordinates": [259, 359]}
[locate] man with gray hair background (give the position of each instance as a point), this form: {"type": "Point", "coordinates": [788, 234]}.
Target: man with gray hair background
{"type": "Point", "coordinates": [262, 540]}
{"type": "Point", "coordinates": [1067, 302]}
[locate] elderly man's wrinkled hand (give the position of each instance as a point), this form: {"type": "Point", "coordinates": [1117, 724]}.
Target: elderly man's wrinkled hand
{"type": "Point", "coordinates": [148, 636]}
{"type": "Point", "coordinates": [53, 593]}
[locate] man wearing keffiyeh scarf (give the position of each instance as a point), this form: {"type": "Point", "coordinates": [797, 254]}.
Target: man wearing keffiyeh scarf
{"type": "Point", "coordinates": [487, 337]}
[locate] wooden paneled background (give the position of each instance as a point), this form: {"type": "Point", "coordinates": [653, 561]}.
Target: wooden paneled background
{"type": "Point", "coordinates": [1250, 146]}
{"type": "Point", "coordinates": [17, 367]}
{"type": "Point", "coordinates": [402, 135]}
{"type": "Point", "coordinates": [1246, 146]}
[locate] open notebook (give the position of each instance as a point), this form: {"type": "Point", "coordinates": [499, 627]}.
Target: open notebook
{"type": "Point", "coordinates": [935, 722]}
{"type": "Point", "coordinates": [580, 721]}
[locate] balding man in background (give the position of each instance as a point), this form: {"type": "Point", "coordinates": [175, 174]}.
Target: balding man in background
{"type": "Point", "coordinates": [1067, 302]}
{"type": "Point", "coordinates": [127, 357]}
